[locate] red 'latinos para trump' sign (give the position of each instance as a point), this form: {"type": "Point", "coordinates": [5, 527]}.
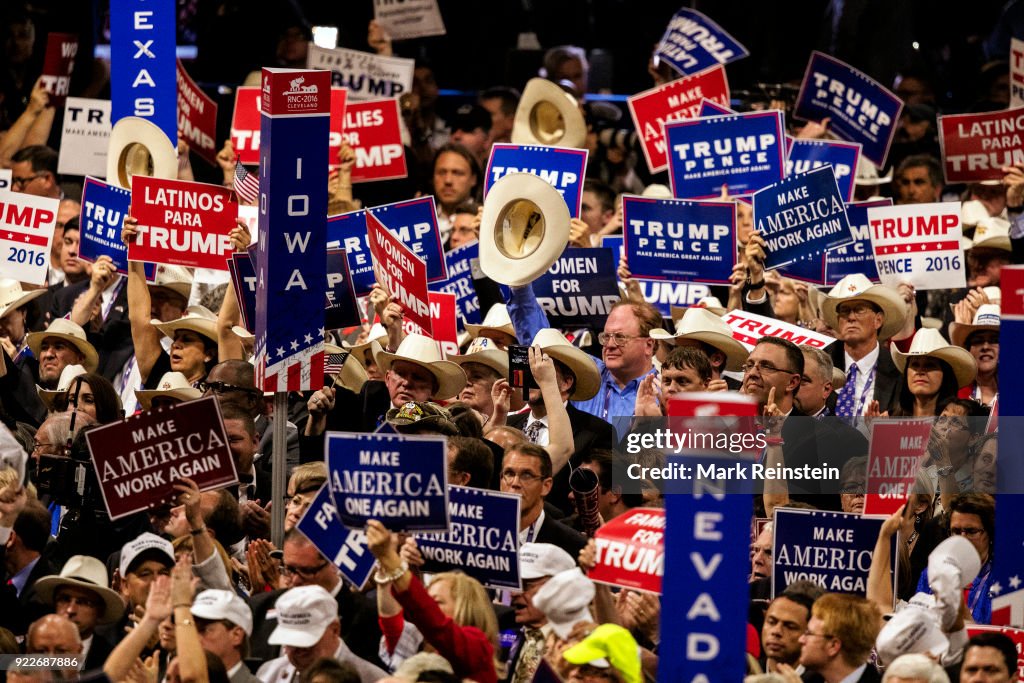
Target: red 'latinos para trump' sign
{"type": "Point", "coordinates": [977, 146]}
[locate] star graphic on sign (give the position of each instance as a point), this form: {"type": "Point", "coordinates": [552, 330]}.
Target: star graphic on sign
{"type": "Point", "coordinates": [295, 344]}
{"type": "Point", "coordinates": [308, 339]}
{"type": "Point", "coordinates": [320, 332]}
{"type": "Point", "coordinates": [995, 588]}
{"type": "Point", "coordinates": [1014, 582]}
{"type": "Point", "coordinates": [280, 352]}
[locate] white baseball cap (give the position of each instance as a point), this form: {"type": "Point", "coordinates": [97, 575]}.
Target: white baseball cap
{"type": "Point", "coordinates": [537, 560]}
{"type": "Point", "coordinates": [911, 630]}
{"type": "Point", "coordinates": [565, 600]}
{"type": "Point", "coordinates": [217, 604]}
{"type": "Point", "coordinates": [145, 543]}
{"type": "Point", "coordinates": [303, 615]}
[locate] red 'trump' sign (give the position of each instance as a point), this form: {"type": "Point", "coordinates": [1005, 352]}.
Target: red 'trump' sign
{"type": "Point", "coordinates": [631, 550]}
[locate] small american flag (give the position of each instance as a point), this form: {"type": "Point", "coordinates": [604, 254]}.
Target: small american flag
{"type": "Point", "coordinates": [247, 185]}
{"type": "Point", "coordinates": [335, 362]}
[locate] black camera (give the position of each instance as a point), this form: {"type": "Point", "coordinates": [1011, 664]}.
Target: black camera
{"type": "Point", "coordinates": [69, 479]}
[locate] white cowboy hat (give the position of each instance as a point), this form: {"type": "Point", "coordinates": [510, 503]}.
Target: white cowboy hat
{"type": "Point", "coordinates": [72, 334]}
{"type": "Point", "coordinates": [525, 228]}
{"type": "Point", "coordinates": [485, 352]}
{"type": "Point", "coordinates": [86, 572]}
{"type": "Point", "coordinates": [172, 385]}
{"type": "Point", "coordinates": [48, 396]}
{"type": "Point", "coordinates": [657, 191]}
{"type": "Point", "coordinates": [241, 332]}
{"type": "Point", "coordinates": [588, 378]}
{"type": "Point", "coordinates": [858, 286]}
{"type": "Point", "coordinates": [867, 173]}
{"type": "Point", "coordinates": [985, 318]}
{"type": "Point", "coordinates": [352, 375]}
{"type": "Point", "coordinates": [929, 342]}
{"type": "Point", "coordinates": [991, 233]}
{"type": "Point", "coordinates": [175, 278]}
{"type": "Point", "coordinates": [711, 303]}
{"type": "Point", "coordinates": [496, 320]}
{"type": "Point", "coordinates": [13, 297]}
{"type": "Point", "coordinates": [139, 147]}
{"type": "Point", "coordinates": [547, 115]}
{"type": "Point", "coordinates": [972, 212]}
{"type": "Point", "coordinates": [376, 334]}
{"type": "Point", "coordinates": [426, 353]}
{"type": "Point", "coordinates": [198, 319]}
{"type": "Point", "coordinates": [702, 325]}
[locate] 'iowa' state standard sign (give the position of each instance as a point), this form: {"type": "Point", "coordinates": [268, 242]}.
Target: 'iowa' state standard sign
{"type": "Point", "coordinates": [291, 268]}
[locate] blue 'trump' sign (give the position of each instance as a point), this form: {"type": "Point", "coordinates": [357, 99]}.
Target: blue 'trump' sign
{"type": "Point", "coordinates": [693, 42]}
{"type": "Point", "coordinates": [807, 155]}
{"type": "Point", "coordinates": [561, 167]}
{"type": "Point", "coordinates": [463, 262]}
{"type": "Point", "coordinates": [346, 548]}
{"type": "Point", "coordinates": [103, 210]}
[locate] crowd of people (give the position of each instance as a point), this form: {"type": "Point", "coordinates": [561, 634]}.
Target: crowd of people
{"type": "Point", "coordinates": [198, 591]}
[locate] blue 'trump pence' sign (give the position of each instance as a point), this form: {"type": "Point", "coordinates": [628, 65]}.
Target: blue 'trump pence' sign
{"type": "Point", "coordinates": [561, 167]}
{"type": "Point", "coordinates": [744, 151]}
{"type": "Point", "coordinates": [693, 42]}
{"type": "Point", "coordinates": [103, 210]}
{"type": "Point", "coordinates": [807, 155]}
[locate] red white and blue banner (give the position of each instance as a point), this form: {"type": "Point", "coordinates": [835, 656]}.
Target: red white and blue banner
{"type": "Point", "coordinates": [675, 239]}
{"type": "Point", "coordinates": [345, 548]}
{"type": "Point", "coordinates": [291, 268]}
{"type": "Point", "coordinates": [463, 266]}
{"type": "Point", "coordinates": [399, 480]}
{"type": "Point", "coordinates": [744, 151]}
{"type": "Point", "coordinates": [808, 155]}
{"type": "Point", "coordinates": [857, 257]}
{"type": "Point", "coordinates": [27, 223]}
{"type": "Point", "coordinates": [143, 71]}
{"type": "Point", "coordinates": [483, 540]}
{"type": "Point", "coordinates": [412, 221]}
{"type": "Point", "coordinates": [860, 108]}
{"type": "Point", "coordinates": [918, 244]}
{"type": "Point", "coordinates": [693, 42]}
{"type": "Point", "coordinates": [800, 218]}
{"type": "Point", "coordinates": [674, 101]}
{"type": "Point", "coordinates": [561, 167]}
{"type": "Point", "coordinates": [103, 210]}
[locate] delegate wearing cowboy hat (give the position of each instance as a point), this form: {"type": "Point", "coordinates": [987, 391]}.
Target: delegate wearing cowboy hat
{"type": "Point", "coordinates": [588, 377]}
{"type": "Point", "coordinates": [198, 319]}
{"type": "Point", "coordinates": [485, 352]}
{"type": "Point", "coordinates": [352, 375]}
{"type": "Point", "coordinates": [86, 573]}
{"type": "Point", "coordinates": [930, 343]}
{"type": "Point", "coordinates": [424, 352]}
{"type": "Point", "coordinates": [986, 319]}
{"type": "Point", "coordinates": [71, 333]}
{"type": "Point", "coordinates": [700, 324]}
{"type": "Point", "coordinates": [497, 321]}
{"type": "Point", "coordinates": [858, 286]}
{"type": "Point", "coordinates": [13, 297]}
{"type": "Point", "coordinates": [712, 303]}
{"type": "Point", "coordinates": [172, 385]}
{"type": "Point", "coordinates": [69, 373]}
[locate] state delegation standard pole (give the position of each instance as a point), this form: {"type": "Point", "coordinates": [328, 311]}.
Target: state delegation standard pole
{"type": "Point", "coordinates": [279, 463]}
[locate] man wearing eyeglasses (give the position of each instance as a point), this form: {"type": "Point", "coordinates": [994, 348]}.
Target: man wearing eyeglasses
{"type": "Point", "coordinates": [839, 638]}
{"type": "Point", "coordinates": [305, 566]}
{"type": "Point", "coordinates": [34, 171]}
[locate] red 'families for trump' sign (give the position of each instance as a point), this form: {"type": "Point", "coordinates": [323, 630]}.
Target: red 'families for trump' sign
{"type": "Point", "coordinates": [139, 459]}
{"type": "Point", "coordinates": [631, 550]}
{"type": "Point", "coordinates": [182, 223]}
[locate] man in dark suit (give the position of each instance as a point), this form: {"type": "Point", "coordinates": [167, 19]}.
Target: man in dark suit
{"type": "Point", "coordinates": [305, 566]}
{"type": "Point", "coordinates": [24, 565]}
{"type": "Point", "coordinates": [526, 471]}
{"type": "Point", "coordinates": [839, 638]}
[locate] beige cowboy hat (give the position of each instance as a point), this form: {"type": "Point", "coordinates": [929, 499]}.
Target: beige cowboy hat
{"type": "Point", "coordinates": [986, 318]}
{"type": "Point", "coordinates": [13, 297]}
{"type": "Point", "coordinates": [242, 333]}
{"type": "Point", "coordinates": [991, 233]}
{"type": "Point", "coordinates": [496, 320]}
{"type": "Point", "coordinates": [702, 325]}
{"type": "Point", "coordinates": [972, 212]}
{"type": "Point", "coordinates": [48, 396]}
{"type": "Point", "coordinates": [172, 385]}
{"type": "Point", "coordinates": [426, 353]}
{"type": "Point", "coordinates": [929, 342]}
{"type": "Point", "coordinates": [175, 278]}
{"type": "Point", "coordinates": [711, 303]}
{"type": "Point", "coordinates": [139, 147]}
{"type": "Point", "coordinates": [867, 174]}
{"type": "Point", "coordinates": [858, 286]}
{"type": "Point", "coordinates": [588, 378]}
{"type": "Point", "coordinates": [376, 334]}
{"type": "Point", "coordinates": [525, 228]}
{"type": "Point", "coordinates": [352, 375]}
{"type": "Point", "coordinates": [485, 352]}
{"type": "Point", "coordinates": [72, 334]}
{"type": "Point", "coordinates": [198, 319]}
{"type": "Point", "coordinates": [547, 115]}
{"type": "Point", "coordinates": [88, 573]}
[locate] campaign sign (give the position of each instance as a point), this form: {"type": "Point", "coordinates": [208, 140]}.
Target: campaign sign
{"type": "Point", "coordinates": [401, 272]}
{"type": "Point", "coordinates": [617, 243]}
{"type": "Point", "coordinates": [747, 328]}
{"type": "Point", "coordinates": [85, 137]}
{"type": "Point", "coordinates": [918, 244]}
{"type": "Point", "coordinates": [182, 223]}
{"type": "Point", "coordinates": [744, 151]}
{"type": "Point", "coordinates": [631, 550]}
{"type": "Point", "coordinates": [894, 459]}
{"type": "Point", "coordinates": [1016, 72]}
{"type": "Point", "coordinates": [243, 281]}
{"type": "Point", "coordinates": [373, 130]}
{"type": "Point", "coordinates": [27, 223]}
{"type": "Point", "coordinates": [399, 480]}
{"type": "Point", "coordinates": [976, 147]}
{"type": "Point", "coordinates": [675, 239]}
{"type": "Point", "coordinates": [709, 108]}
{"type": "Point", "coordinates": [103, 210]}
{"type": "Point", "coordinates": [801, 217]}
{"type": "Point", "coordinates": [61, 49]}
{"type": "Point", "coordinates": [444, 329]}
{"type": "Point", "coordinates": [693, 42]}
{"type": "Point", "coordinates": [664, 294]}
{"type": "Point", "coordinates": [245, 125]}
{"type": "Point", "coordinates": [832, 549]}
{"type": "Point", "coordinates": [857, 257]}
{"type": "Point", "coordinates": [346, 548]}
{"type": "Point", "coordinates": [482, 541]}
{"type": "Point", "coordinates": [579, 289]}
{"type": "Point", "coordinates": [5, 179]}
{"type": "Point", "coordinates": [197, 117]}
{"type": "Point", "coordinates": [139, 459]}
{"type": "Point", "coordinates": [366, 76]}
{"type": "Point", "coordinates": [339, 106]}
{"type": "Point", "coordinates": [413, 222]}
{"type": "Point", "coordinates": [142, 62]}
{"type": "Point", "coordinates": [861, 109]}
{"type": "Point", "coordinates": [560, 167]}
{"type": "Point", "coordinates": [341, 308]}
{"type": "Point", "coordinates": [680, 99]}
{"type": "Point", "coordinates": [409, 18]}
{"type": "Point", "coordinates": [462, 263]}
{"type": "Point", "coordinates": [808, 155]}
{"type": "Point", "coordinates": [290, 262]}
